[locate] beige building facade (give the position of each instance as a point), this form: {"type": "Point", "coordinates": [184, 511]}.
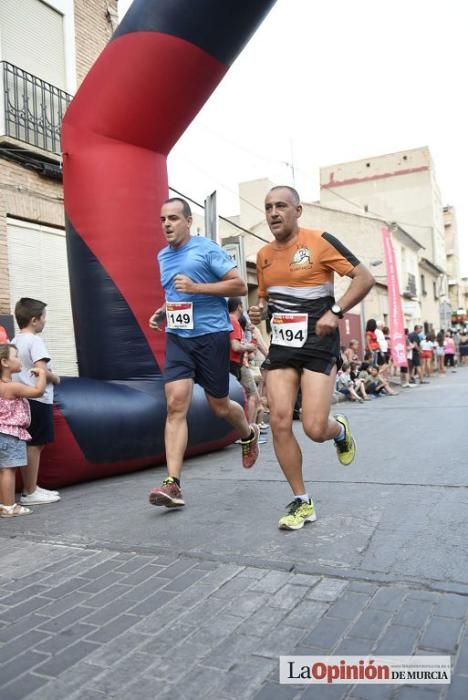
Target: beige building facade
{"type": "Point", "coordinates": [398, 187]}
{"type": "Point", "coordinates": [402, 187]}
{"type": "Point", "coordinates": [46, 48]}
{"type": "Point", "coordinates": [362, 234]}
{"type": "Point", "coordinates": [455, 286]}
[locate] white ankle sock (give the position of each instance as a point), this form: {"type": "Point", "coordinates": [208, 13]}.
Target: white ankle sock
{"type": "Point", "coordinates": [304, 497]}
{"type": "Point", "coordinates": [341, 435]}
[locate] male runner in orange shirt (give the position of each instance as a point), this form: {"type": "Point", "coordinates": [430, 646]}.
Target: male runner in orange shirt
{"type": "Point", "coordinates": [295, 288]}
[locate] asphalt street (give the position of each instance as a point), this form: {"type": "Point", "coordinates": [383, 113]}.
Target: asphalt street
{"type": "Point", "coordinates": [105, 596]}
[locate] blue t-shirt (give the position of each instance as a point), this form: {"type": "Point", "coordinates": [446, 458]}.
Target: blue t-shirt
{"type": "Point", "coordinates": [201, 260]}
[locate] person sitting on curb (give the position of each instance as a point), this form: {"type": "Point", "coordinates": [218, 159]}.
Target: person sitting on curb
{"type": "Point", "coordinates": [345, 385]}
{"type": "Point", "coordinates": [379, 384]}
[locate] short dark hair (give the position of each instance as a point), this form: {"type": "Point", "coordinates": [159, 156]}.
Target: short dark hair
{"type": "Point", "coordinates": [26, 309]}
{"type": "Point", "coordinates": [291, 190]}
{"type": "Point", "coordinates": [371, 325]}
{"type": "Point", "coordinates": [233, 303]}
{"type": "Point", "coordinates": [185, 205]}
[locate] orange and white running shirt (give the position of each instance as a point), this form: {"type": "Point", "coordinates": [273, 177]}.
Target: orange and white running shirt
{"type": "Point", "coordinates": [299, 278]}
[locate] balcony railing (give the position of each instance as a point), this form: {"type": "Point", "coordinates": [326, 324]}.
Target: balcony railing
{"type": "Point", "coordinates": [33, 109]}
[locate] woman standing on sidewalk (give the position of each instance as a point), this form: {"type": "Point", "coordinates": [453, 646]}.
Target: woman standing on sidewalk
{"type": "Point", "coordinates": [372, 344]}
{"type": "Point", "coordinates": [463, 347]}
{"type": "Point", "coordinates": [449, 351]}
{"type": "Point", "coordinates": [427, 354]}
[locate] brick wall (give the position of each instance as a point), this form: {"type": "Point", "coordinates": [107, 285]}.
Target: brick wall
{"type": "Point", "coordinates": [93, 29]}
{"type": "Point", "coordinates": [25, 194]}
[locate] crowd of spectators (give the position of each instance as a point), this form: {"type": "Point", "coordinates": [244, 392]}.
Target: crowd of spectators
{"type": "Point", "coordinates": [373, 374]}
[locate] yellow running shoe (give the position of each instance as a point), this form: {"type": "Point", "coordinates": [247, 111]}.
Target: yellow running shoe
{"type": "Point", "coordinates": [345, 449]}
{"type": "Point", "coordinates": [299, 512]}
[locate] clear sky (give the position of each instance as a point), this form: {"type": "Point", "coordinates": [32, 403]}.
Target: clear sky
{"type": "Point", "coordinates": [328, 82]}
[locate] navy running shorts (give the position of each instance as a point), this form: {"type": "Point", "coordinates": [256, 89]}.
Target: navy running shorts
{"type": "Point", "coordinates": [42, 423]}
{"type": "Point", "coordinates": [204, 358]}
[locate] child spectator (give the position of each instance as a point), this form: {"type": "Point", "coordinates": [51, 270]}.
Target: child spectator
{"type": "Point", "coordinates": [345, 385]}
{"type": "Point", "coordinates": [15, 417]}
{"type": "Point", "coordinates": [359, 384]}
{"type": "Point", "coordinates": [30, 316]}
{"type": "Point", "coordinates": [351, 352]}
{"type": "Point", "coordinates": [378, 384]}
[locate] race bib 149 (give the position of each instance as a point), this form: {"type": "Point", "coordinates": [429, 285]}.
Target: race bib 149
{"type": "Point", "coordinates": [179, 315]}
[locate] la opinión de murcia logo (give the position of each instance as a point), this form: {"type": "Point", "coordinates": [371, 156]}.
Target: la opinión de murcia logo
{"type": "Point", "coordinates": [359, 670]}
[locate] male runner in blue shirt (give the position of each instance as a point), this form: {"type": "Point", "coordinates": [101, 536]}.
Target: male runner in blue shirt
{"type": "Point", "coordinates": [196, 275]}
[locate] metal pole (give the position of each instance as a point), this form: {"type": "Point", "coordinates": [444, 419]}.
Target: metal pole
{"type": "Point", "coordinates": [362, 312]}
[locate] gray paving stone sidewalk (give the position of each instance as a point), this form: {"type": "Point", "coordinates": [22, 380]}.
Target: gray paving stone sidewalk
{"type": "Point", "coordinates": [82, 624]}
{"type": "Point", "coordinates": [99, 601]}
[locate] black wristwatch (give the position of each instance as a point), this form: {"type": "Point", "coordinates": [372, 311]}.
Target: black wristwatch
{"type": "Point", "coordinates": [337, 310]}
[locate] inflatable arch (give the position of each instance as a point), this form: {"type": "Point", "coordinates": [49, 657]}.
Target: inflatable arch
{"type": "Point", "coordinates": [160, 67]}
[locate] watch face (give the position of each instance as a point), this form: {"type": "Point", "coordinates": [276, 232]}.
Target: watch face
{"type": "Point", "coordinates": [337, 310]}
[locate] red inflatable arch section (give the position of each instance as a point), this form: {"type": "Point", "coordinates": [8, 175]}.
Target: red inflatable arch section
{"type": "Point", "coordinates": [160, 67]}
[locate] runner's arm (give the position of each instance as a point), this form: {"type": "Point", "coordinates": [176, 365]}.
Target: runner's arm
{"type": "Point", "coordinates": [157, 318]}
{"type": "Point", "coordinates": [258, 313]}
{"type": "Point", "coordinates": [231, 285]}
{"type": "Point", "coordinates": [361, 282]}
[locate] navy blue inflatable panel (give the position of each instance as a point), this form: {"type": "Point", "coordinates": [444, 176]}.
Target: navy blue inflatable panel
{"type": "Point", "coordinates": [219, 27]}
{"type": "Point", "coordinates": [109, 339]}
{"type": "Point", "coordinates": [118, 421]}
